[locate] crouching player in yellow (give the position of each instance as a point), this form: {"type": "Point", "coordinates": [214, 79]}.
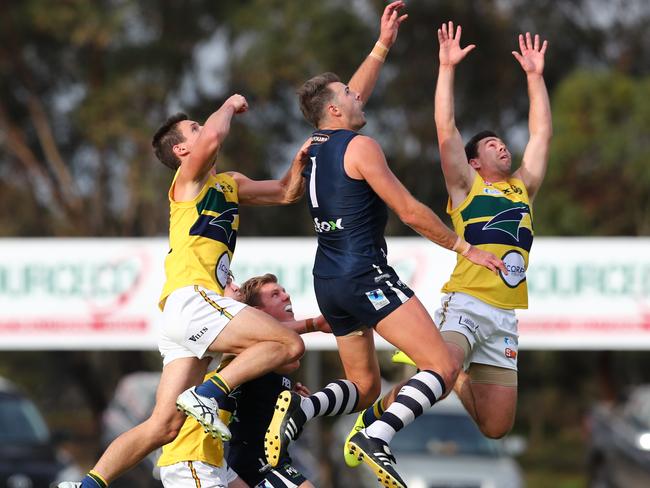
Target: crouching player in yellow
{"type": "Point", "coordinates": [195, 459]}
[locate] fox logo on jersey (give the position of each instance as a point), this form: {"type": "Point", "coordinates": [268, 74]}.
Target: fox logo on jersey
{"type": "Point", "coordinates": [328, 225]}
{"type": "Point", "coordinates": [508, 221]}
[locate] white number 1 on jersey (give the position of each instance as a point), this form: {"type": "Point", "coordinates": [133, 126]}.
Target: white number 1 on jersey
{"type": "Point", "coordinates": [312, 183]}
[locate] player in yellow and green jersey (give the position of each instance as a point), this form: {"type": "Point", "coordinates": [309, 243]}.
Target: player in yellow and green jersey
{"type": "Point", "coordinates": [491, 208]}
{"type": "Point", "coordinates": [198, 321]}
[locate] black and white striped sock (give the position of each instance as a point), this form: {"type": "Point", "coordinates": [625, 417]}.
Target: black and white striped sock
{"type": "Point", "coordinates": [418, 394]}
{"type": "Point", "coordinates": [338, 398]}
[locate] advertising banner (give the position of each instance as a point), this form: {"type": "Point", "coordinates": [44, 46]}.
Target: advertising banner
{"type": "Point", "coordinates": [103, 293]}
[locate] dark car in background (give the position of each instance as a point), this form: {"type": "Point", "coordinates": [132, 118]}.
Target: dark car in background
{"type": "Point", "coordinates": [618, 447]}
{"type": "Point", "coordinates": [28, 456]}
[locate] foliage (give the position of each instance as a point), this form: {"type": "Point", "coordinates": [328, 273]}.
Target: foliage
{"type": "Point", "coordinates": [599, 157]}
{"type": "Point", "coordinates": [85, 83]}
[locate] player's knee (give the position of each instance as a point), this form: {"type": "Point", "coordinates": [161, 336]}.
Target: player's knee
{"type": "Point", "coordinates": [448, 372]}
{"type": "Point", "coordinates": [166, 428]}
{"type": "Point", "coordinates": [295, 348]}
{"type": "Point", "coordinates": [169, 434]}
{"type": "Point", "coordinates": [450, 375]}
{"type": "Point", "coordinates": [495, 430]}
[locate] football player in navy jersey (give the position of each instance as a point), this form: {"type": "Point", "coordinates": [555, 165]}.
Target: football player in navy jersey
{"type": "Point", "coordinates": [349, 186]}
{"type": "Point", "coordinates": [256, 399]}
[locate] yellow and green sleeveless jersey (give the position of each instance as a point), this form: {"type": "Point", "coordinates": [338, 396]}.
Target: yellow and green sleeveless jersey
{"type": "Point", "coordinates": [202, 236]}
{"type": "Point", "coordinates": [495, 217]}
{"type": "Point", "coordinates": [193, 444]}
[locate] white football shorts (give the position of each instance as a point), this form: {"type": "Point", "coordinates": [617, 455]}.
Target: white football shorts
{"type": "Point", "coordinates": [193, 317]}
{"type": "Point", "coordinates": [190, 474]}
{"type": "Point", "coordinates": [491, 331]}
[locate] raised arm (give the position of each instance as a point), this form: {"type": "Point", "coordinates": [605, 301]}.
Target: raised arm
{"type": "Point", "coordinates": [284, 191]}
{"type": "Point", "coordinates": [203, 151]}
{"type": "Point", "coordinates": [458, 174]}
{"type": "Point", "coordinates": [540, 124]}
{"type": "Point", "coordinates": [364, 79]}
{"type": "Point", "coordinates": [364, 159]}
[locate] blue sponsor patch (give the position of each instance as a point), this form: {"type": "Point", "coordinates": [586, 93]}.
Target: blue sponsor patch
{"type": "Point", "coordinates": [377, 298]}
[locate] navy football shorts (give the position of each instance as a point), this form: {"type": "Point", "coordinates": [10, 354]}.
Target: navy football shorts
{"type": "Point", "coordinates": [351, 302]}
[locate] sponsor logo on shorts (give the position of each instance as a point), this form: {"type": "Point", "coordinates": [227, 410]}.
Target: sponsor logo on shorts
{"type": "Point", "coordinates": [328, 225]}
{"type": "Point", "coordinates": [467, 322]}
{"type": "Point", "coordinates": [198, 335]}
{"type": "Point", "coordinates": [377, 298]}
{"type": "Point", "coordinates": [290, 471]}
{"type": "Point", "coordinates": [381, 277]}
{"type": "Point", "coordinates": [510, 353]}
{"type": "Point", "coordinates": [516, 266]}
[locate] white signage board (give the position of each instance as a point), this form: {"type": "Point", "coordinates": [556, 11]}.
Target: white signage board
{"type": "Point", "coordinates": [102, 293]}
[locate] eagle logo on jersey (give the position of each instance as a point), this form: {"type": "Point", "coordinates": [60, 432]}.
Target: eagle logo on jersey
{"type": "Point", "coordinates": [508, 221]}
{"type": "Point", "coordinates": [217, 220]}
{"type": "Point", "coordinates": [225, 221]}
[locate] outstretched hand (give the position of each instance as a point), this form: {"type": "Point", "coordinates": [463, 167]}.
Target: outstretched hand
{"type": "Point", "coordinates": [531, 57]}
{"type": "Point", "coordinates": [487, 259]}
{"type": "Point", "coordinates": [450, 51]}
{"type": "Point", "coordinates": [390, 22]}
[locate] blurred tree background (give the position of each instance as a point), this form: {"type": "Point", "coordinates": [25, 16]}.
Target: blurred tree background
{"type": "Point", "coordinates": [84, 84]}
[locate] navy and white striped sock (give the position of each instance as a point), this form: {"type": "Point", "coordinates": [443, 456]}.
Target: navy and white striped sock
{"type": "Point", "coordinates": [418, 394]}
{"type": "Point", "coordinates": [338, 398]}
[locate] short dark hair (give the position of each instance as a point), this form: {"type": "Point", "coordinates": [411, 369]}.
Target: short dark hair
{"type": "Point", "coordinates": [471, 148]}
{"type": "Point", "coordinates": [166, 137]}
{"type": "Point", "coordinates": [314, 94]}
{"type": "Point", "coordinates": [250, 289]}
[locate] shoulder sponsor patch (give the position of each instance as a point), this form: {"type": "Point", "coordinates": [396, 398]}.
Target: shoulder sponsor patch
{"type": "Point", "coordinates": [377, 298]}
{"type": "Point", "coordinates": [319, 138]}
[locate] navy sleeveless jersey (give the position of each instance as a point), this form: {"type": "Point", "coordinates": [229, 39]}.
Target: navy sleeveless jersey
{"type": "Point", "coordinates": [255, 408]}
{"type": "Point", "coordinates": [349, 217]}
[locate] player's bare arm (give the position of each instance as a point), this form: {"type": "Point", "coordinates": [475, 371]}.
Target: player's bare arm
{"type": "Point", "coordinates": [304, 326]}
{"type": "Point", "coordinates": [284, 191]}
{"type": "Point", "coordinates": [533, 167]}
{"type": "Point", "coordinates": [458, 174]}
{"type": "Point", "coordinates": [364, 79]}
{"type": "Point", "coordinates": [198, 158]}
{"type": "Point", "coordinates": [364, 159]}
